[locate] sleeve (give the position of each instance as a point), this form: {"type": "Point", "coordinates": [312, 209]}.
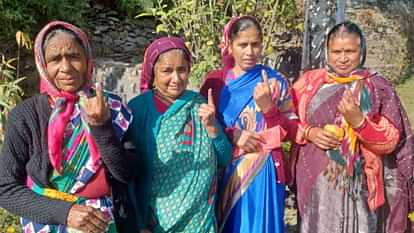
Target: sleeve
{"type": "Point", "coordinates": [222, 147]}
{"type": "Point", "coordinates": [380, 136]}
{"type": "Point", "coordinates": [119, 161]}
{"type": "Point", "coordinates": [284, 114]}
{"type": "Point", "coordinates": [15, 196]}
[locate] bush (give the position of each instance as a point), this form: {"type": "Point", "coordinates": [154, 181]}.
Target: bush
{"type": "Point", "coordinates": [201, 24]}
{"type": "Point", "coordinates": [10, 91]}
{"type": "Point", "coordinates": [133, 6]}
{"type": "Point", "coordinates": [29, 16]}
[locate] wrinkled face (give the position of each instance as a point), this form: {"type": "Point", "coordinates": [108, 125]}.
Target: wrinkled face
{"type": "Point", "coordinates": [65, 62]}
{"type": "Point", "coordinates": [246, 49]}
{"type": "Point", "coordinates": [344, 53]}
{"type": "Point", "coordinates": [171, 74]}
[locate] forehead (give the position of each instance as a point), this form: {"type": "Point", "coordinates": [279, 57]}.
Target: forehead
{"type": "Point", "coordinates": [172, 56]}
{"type": "Point", "coordinates": [250, 33]}
{"type": "Point", "coordinates": [344, 39]}
{"type": "Point", "coordinates": [62, 40]}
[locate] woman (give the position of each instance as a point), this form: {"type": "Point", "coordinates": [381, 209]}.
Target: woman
{"type": "Point", "coordinates": [256, 109]}
{"type": "Point", "coordinates": [179, 145]}
{"type": "Point", "coordinates": [62, 148]}
{"type": "Point", "coordinates": [355, 161]}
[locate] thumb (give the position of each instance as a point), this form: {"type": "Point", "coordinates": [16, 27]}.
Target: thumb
{"type": "Point", "coordinates": [210, 99]}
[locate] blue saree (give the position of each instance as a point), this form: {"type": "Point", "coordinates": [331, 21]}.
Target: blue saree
{"type": "Point", "coordinates": [251, 199]}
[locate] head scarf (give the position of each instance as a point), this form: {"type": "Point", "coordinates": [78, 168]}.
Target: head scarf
{"type": "Point", "coordinates": [64, 104]}
{"type": "Point", "coordinates": [45, 85]}
{"type": "Point", "coordinates": [152, 53]}
{"type": "Point", "coordinates": [226, 58]}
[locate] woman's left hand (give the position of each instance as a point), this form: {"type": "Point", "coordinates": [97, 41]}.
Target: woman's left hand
{"type": "Point", "coordinates": [263, 95]}
{"type": "Point", "coordinates": [349, 108]}
{"type": "Point", "coordinates": [96, 108]}
{"type": "Point", "coordinates": [207, 113]}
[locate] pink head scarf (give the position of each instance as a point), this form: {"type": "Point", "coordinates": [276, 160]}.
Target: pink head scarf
{"type": "Point", "coordinates": [153, 51]}
{"type": "Point", "coordinates": [227, 59]}
{"type": "Point", "coordinates": [64, 102]}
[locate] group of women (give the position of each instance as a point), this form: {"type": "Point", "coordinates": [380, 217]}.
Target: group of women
{"type": "Point", "coordinates": [75, 159]}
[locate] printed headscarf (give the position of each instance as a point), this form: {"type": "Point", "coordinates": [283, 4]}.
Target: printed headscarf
{"type": "Point", "coordinates": [65, 104]}
{"type": "Point", "coordinates": [152, 53]}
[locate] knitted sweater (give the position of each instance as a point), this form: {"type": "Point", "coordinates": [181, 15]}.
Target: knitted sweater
{"type": "Point", "coordinates": [25, 153]}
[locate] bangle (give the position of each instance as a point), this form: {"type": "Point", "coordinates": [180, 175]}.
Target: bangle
{"type": "Point", "coordinates": [307, 131]}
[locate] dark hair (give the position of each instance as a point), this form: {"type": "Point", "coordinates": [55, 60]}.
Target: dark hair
{"type": "Point", "coordinates": [54, 32]}
{"type": "Point", "coordinates": [350, 28]}
{"type": "Point", "coordinates": [243, 24]}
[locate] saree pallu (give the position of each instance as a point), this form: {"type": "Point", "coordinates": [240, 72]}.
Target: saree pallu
{"type": "Point", "coordinates": [184, 163]}
{"type": "Point", "coordinates": [251, 199]}
{"type": "Point", "coordinates": [78, 168]}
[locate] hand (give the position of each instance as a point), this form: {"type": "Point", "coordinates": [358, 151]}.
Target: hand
{"type": "Point", "coordinates": [323, 139]}
{"type": "Point", "coordinates": [263, 95]}
{"type": "Point", "coordinates": [247, 141]}
{"type": "Point", "coordinates": [87, 219]}
{"type": "Point", "coordinates": [350, 110]}
{"type": "Point", "coordinates": [207, 114]}
{"type": "Point", "coordinates": [145, 231]}
{"type": "Point", "coordinates": [96, 109]}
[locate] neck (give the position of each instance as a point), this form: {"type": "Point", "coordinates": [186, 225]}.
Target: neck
{"type": "Point", "coordinates": [238, 71]}
{"type": "Point", "coordinates": [163, 98]}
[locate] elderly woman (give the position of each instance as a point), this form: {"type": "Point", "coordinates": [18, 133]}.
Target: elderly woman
{"type": "Point", "coordinates": [355, 162]}
{"type": "Point", "coordinates": [179, 145]}
{"type": "Point", "coordinates": [62, 148]}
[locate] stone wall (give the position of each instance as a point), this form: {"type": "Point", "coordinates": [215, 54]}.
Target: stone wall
{"type": "Point", "coordinates": [118, 44]}
{"type": "Point", "coordinates": [387, 26]}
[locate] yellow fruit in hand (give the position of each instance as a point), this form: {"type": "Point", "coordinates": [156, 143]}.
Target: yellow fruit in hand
{"type": "Point", "coordinates": [335, 130]}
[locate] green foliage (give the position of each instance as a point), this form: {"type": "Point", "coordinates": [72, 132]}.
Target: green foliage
{"type": "Point", "coordinates": [133, 6]}
{"type": "Point", "coordinates": [10, 91]}
{"type": "Point", "coordinates": [28, 15]}
{"type": "Point", "coordinates": [201, 24]}
{"type": "Point", "coordinates": [9, 223]}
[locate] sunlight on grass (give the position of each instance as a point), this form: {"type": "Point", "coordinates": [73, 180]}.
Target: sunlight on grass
{"type": "Point", "coordinates": [406, 93]}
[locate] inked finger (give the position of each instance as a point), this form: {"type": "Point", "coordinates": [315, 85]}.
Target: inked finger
{"type": "Point", "coordinates": [210, 99]}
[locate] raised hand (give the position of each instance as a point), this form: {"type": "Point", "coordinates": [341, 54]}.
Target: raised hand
{"type": "Point", "coordinates": [348, 107]}
{"type": "Point", "coordinates": [247, 141]}
{"type": "Point", "coordinates": [96, 108]}
{"type": "Point", "coordinates": [87, 219]}
{"type": "Point", "coordinates": [263, 94]}
{"type": "Point", "coordinates": [207, 114]}
{"type": "Point", "coordinates": [323, 139]}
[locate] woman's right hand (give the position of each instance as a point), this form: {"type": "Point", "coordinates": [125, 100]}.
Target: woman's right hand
{"type": "Point", "coordinates": [87, 219]}
{"type": "Point", "coordinates": [323, 139]}
{"type": "Point", "coordinates": [247, 141]}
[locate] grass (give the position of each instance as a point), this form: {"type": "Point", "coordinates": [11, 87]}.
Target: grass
{"type": "Point", "coordinates": [406, 93]}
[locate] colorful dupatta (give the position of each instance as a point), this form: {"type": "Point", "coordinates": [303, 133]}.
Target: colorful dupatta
{"type": "Point", "coordinates": [73, 152]}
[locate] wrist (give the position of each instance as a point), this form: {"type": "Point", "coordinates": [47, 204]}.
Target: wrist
{"type": "Point", "coordinates": [307, 132]}
{"type": "Point", "coordinates": [357, 124]}
{"type": "Point", "coordinates": [268, 108]}
{"type": "Point", "coordinates": [212, 130]}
